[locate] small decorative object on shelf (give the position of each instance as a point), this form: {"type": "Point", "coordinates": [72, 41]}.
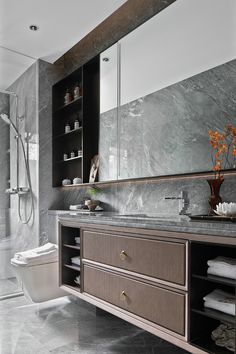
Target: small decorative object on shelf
{"type": "Point", "coordinates": [66, 182]}
{"type": "Point", "coordinates": [67, 98]}
{"type": "Point", "coordinates": [77, 180]}
{"type": "Point", "coordinates": [79, 152]}
{"type": "Point", "coordinates": [72, 154]}
{"type": "Point", "coordinates": [65, 156]}
{"type": "Point", "coordinates": [223, 156]}
{"type": "Point", "coordinates": [94, 168]}
{"type": "Point", "coordinates": [76, 92]}
{"type": "Point", "coordinates": [67, 128]}
{"type": "Point", "coordinates": [76, 124]}
{"type": "Point", "coordinates": [226, 209]}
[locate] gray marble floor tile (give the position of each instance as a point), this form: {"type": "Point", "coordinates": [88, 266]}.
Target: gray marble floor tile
{"type": "Point", "coordinates": [71, 326]}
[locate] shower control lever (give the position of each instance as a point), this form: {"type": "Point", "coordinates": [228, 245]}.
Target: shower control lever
{"type": "Point", "coordinates": [19, 191]}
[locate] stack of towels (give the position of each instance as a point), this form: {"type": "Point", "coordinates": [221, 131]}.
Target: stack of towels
{"type": "Point", "coordinates": [220, 301]}
{"type": "Point", "coordinates": [75, 260]}
{"type": "Point", "coordinates": [222, 267]}
{"type": "Point", "coordinates": [40, 255]}
{"type": "Point", "coordinates": [224, 336]}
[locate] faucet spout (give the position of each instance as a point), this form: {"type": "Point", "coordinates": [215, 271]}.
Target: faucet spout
{"type": "Point", "coordinates": [183, 202]}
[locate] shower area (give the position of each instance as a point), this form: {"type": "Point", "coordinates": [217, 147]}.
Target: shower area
{"type": "Point", "coordinates": [8, 282]}
{"type": "Point", "coordinates": [17, 221]}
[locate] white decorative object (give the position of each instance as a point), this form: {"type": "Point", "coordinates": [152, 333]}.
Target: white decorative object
{"type": "Point", "coordinates": [77, 180]}
{"type": "Point", "coordinates": [226, 209]}
{"type": "Point", "coordinates": [66, 182]}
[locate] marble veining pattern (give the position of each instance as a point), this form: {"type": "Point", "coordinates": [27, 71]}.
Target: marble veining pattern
{"type": "Point", "coordinates": [166, 132]}
{"type": "Point", "coordinates": [71, 326]}
{"type": "Point", "coordinates": [4, 168]}
{"type": "Point", "coordinates": [25, 236]}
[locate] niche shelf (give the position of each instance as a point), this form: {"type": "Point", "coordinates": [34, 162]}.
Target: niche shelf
{"type": "Point", "coordinates": [68, 249]}
{"type": "Point", "coordinates": [204, 320]}
{"type": "Point", "coordinates": [86, 110]}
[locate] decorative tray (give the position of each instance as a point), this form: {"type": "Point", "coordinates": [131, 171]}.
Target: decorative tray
{"type": "Point", "coordinates": [213, 217]}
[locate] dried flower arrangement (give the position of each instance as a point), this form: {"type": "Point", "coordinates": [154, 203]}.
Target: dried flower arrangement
{"type": "Point", "coordinates": [223, 149]}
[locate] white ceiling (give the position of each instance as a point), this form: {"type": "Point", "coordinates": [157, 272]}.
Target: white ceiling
{"type": "Point", "coordinates": [62, 23]}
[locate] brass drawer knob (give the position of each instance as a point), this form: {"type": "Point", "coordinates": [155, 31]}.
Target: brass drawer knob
{"type": "Point", "coordinates": [123, 296]}
{"type": "Point", "coordinates": [123, 255]}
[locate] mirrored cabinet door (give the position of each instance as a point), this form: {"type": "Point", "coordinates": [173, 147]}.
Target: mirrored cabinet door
{"type": "Point", "coordinates": [176, 83]}
{"type": "Point", "coordinates": [163, 87]}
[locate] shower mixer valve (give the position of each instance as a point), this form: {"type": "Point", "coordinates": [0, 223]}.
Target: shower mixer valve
{"type": "Point", "coordinates": [19, 190]}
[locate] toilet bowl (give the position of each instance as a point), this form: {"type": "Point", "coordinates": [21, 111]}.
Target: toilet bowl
{"type": "Point", "coordinates": [40, 281]}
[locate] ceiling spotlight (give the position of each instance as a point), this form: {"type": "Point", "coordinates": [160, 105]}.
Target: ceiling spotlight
{"type": "Point", "coordinates": [33, 27]}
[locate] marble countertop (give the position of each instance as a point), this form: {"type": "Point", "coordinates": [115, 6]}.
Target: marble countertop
{"type": "Point", "coordinates": [177, 223]}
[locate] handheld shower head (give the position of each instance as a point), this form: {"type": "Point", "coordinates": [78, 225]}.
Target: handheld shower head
{"type": "Point", "coordinates": [5, 118]}
{"type": "Point", "coordinates": [8, 120]}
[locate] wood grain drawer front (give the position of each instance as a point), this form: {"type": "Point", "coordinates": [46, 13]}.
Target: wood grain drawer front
{"type": "Point", "coordinates": [163, 307]}
{"type": "Point", "coordinates": [159, 259]}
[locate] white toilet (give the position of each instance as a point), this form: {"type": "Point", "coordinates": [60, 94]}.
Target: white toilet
{"type": "Point", "coordinates": [40, 280]}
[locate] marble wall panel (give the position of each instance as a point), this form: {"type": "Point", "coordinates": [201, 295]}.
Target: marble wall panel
{"type": "Point", "coordinates": [48, 74]}
{"type": "Point", "coordinates": [25, 236]}
{"type": "Point", "coordinates": [4, 167]}
{"type": "Point", "coordinates": [166, 132]}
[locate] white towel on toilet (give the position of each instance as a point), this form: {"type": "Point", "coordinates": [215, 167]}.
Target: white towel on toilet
{"type": "Point", "coordinates": [48, 252]}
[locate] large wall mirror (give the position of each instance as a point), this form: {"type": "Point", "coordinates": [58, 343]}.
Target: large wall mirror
{"type": "Point", "coordinates": [163, 86]}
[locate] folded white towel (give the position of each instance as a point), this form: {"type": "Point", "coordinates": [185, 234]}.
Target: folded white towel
{"type": "Point", "coordinates": [77, 240]}
{"type": "Point", "coordinates": [222, 261]}
{"type": "Point", "coordinates": [75, 260]}
{"type": "Point", "coordinates": [222, 271]}
{"type": "Point", "coordinates": [48, 252]}
{"type": "Point", "coordinates": [221, 301]}
{"type": "Point", "coordinates": [223, 267]}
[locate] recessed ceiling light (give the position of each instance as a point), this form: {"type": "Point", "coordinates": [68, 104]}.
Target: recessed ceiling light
{"type": "Point", "coordinates": [33, 27]}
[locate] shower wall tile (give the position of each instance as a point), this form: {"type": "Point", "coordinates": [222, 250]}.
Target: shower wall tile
{"type": "Point", "coordinates": [4, 167]}
{"type": "Point", "coordinates": [24, 236]}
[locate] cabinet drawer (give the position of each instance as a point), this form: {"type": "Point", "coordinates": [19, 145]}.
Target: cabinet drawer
{"type": "Point", "coordinates": [160, 306]}
{"type": "Point", "coordinates": [159, 259]}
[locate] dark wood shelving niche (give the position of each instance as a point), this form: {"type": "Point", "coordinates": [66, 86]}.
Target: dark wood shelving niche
{"type": "Point", "coordinates": [204, 320]}
{"type": "Point", "coordinates": [68, 249]}
{"type": "Point", "coordinates": [86, 110]}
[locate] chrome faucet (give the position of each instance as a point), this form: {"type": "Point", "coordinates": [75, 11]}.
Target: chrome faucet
{"type": "Point", "coordinates": [183, 202]}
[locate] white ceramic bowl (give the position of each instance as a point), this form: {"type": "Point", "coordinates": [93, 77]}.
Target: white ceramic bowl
{"type": "Point", "coordinates": [226, 209]}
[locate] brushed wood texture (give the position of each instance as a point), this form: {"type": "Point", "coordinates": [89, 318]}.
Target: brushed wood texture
{"type": "Point", "coordinates": [158, 305]}
{"type": "Point", "coordinates": [159, 259]}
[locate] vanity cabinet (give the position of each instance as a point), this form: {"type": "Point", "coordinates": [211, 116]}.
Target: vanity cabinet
{"type": "Point", "coordinates": [162, 260]}
{"type": "Point", "coordinates": [145, 300]}
{"type": "Point", "coordinates": [153, 279]}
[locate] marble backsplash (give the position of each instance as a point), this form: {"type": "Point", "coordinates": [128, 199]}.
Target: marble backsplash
{"type": "Point", "coordinates": [148, 196]}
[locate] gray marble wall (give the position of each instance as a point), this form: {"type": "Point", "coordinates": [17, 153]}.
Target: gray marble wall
{"type": "Point", "coordinates": [49, 197]}
{"type": "Point", "coordinates": [4, 167]}
{"type": "Point", "coordinates": [25, 236]}
{"type": "Point", "coordinates": [166, 132]}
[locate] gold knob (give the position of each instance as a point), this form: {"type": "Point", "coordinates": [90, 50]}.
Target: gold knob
{"type": "Point", "coordinates": [123, 255]}
{"type": "Point", "coordinates": [123, 296]}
